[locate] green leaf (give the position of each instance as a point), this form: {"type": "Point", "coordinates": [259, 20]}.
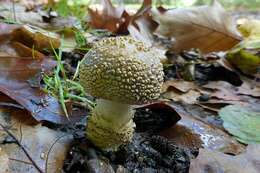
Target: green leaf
{"type": "Point", "coordinates": [242, 122]}
{"type": "Point", "coordinates": [247, 61]}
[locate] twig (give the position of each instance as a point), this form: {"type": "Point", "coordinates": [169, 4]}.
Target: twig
{"type": "Point", "coordinates": [21, 161]}
{"type": "Point", "coordinates": [13, 6]}
{"type": "Point", "coordinates": [49, 151]}
{"type": "Point", "coordinates": [20, 145]}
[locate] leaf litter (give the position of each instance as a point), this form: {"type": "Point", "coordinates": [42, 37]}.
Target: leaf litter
{"type": "Point", "coordinates": [170, 133]}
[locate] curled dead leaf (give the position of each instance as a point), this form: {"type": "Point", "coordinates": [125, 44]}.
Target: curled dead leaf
{"type": "Point", "coordinates": [119, 20]}
{"type": "Point", "coordinates": [26, 41]}
{"type": "Point", "coordinates": [209, 28]}
{"type": "Point", "coordinates": [109, 17]}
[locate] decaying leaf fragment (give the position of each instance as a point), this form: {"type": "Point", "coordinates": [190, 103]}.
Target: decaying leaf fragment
{"type": "Point", "coordinates": [209, 28]}
{"type": "Point", "coordinates": [217, 162]}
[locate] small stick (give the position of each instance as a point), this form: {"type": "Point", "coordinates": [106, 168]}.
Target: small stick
{"type": "Point", "coordinates": [28, 163]}
{"type": "Point", "coordinates": [13, 6]}
{"type": "Point", "coordinates": [20, 145]}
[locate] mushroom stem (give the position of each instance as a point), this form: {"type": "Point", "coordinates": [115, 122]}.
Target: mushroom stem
{"type": "Point", "coordinates": [110, 124]}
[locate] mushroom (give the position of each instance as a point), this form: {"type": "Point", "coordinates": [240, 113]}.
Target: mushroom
{"type": "Point", "coordinates": [120, 72]}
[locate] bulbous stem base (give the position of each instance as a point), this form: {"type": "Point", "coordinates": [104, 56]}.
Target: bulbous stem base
{"type": "Point", "coordinates": [110, 124]}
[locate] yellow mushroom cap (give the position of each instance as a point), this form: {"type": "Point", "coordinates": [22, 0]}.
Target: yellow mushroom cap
{"type": "Point", "coordinates": [122, 69]}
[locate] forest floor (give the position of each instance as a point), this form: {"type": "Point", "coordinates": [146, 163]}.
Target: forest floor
{"type": "Point", "coordinates": [207, 118]}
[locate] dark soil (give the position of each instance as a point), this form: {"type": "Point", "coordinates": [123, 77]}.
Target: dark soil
{"type": "Point", "coordinates": [148, 152]}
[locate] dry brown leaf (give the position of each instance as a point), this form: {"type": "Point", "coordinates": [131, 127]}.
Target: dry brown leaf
{"type": "Point", "coordinates": [120, 21]}
{"type": "Point", "coordinates": [141, 30]}
{"type": "Point", "coordinates": [35, 37]}
{"type": "Point", "coordinates": [26, 41]}
{"type": "Point", "coordinates": [142, 26]}
{"type": "Point", "coordinates": [48, 148]}
{"type": "Point", "coordinates": [181, 91]}
{"type": "Point", "coordinates": [209, 28]}
{"type": "Point", "coordinates": [222, 90]}
{"type": "Point", "coordinates": [187, 98]}
{"type": "Point", "coordinates": [216, 162]}
{"type": "Point", "coordinates": [251, 88]}
{"type": "Point", "coordinates": [114, 19]}
{"type": "Point", "coordinates": [181, 85]}
{"type": "Point", "coordinates": [190, 132]}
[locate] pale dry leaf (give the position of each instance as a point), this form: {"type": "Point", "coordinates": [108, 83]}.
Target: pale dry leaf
{"type": "Point", "coordinates": [48, 148]}
{"type": "Point", "coordinates": [143, 32]}
{"type": "Point", "coordinates": [20, 14]}
{"type": "Point", "coordinates": [217, 162]}
{"type": "Point", "coordinates": [249, 88]}
{"type": "Point", "coordinates": [4, 162]}
{"type": "Point", "coordinates": [222, 90]}
{"type": "Point", "coordinates": [181, 85]}
{"type": "Point", "coordinates": [189, 97]}
{"type": "Point", "coordinates": [209, 28]}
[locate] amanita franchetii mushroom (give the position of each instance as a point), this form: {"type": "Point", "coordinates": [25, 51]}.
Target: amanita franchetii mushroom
{"type": "Point", "coordinates": [120, 72]}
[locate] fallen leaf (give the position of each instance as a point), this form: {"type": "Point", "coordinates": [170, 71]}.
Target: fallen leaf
{"type": "Point", "coordinates": [141, 30]}
{"type": "Point", "coordinates": [189, 132]}
{"type": "Point", "coordinates": [142, 26]}
{"type": "Point", "coordinates": [217, 162]}
{"type": "Point", "coordinates": [20, 15]}
{"type": "Point", "coordinates": [245, 55]}
{"type": "Point", "coordinates": [180, 85]}
{"type": "Point", "coordinates": [225, 93]}
{"type": "Point", "coordinates": [194, 133]}
{"type": "Point", "coordinates": [246, 60]}
{"type": "Point", "coordinates": [114, 19]}
{"type": "Point", "coordinates": [188, 98]}
{"type": "Point", "coordinates": [242, 122]}
{"type": "Point", "coordinates": [16, 72]}
{"type": "Point", "coordinates": [36, 38]}
{"type": "Point", "coordinates": [223, 90]}
{"type": "Point", "coordinates": [33, 17]}
{"type": "Point", "coordinates": [249, 88]}
{"type": "Point", "coordinates": [4, 161]}
{"type": "Point", "coordinates": [26, 41]}
{"type": "Point", "coordinates": [47, 148]}
{"type": "Point", "coordinates": [209, 28]}
{"type": "Point", "coordinates": [250, 29]}
{"type": "Point", "coordinates": [119, 20]}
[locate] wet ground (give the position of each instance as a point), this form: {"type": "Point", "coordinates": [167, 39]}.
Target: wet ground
{"type": "Point", "coordinates": [148, 152]}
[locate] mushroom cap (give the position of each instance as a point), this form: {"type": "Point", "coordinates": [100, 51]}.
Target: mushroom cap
{"type": "Point", "coordinates": [122, 69]}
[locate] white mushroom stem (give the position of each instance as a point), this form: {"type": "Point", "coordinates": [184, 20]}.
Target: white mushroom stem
{"type": "Point", "coordinates": [110, 124]}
